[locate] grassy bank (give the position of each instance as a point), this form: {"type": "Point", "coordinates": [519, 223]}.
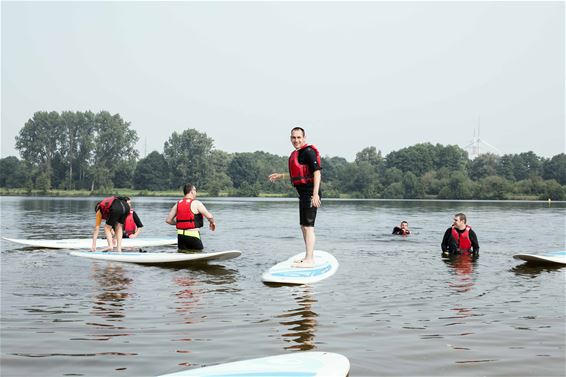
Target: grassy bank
{"type": "Point", "coordinates": [125, 192]}
{"type": "Point", "coordinates": [170, 193]}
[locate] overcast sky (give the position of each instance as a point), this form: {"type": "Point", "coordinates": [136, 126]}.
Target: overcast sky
{"type": "Point", "coordinates": [383, 74]}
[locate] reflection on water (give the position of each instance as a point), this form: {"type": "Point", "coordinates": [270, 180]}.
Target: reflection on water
{"type": "Point", "coordinates": [532, 270]}
{"type": "Point", "coordinates": [463, 271]}
{"type": "Point", "coordinates": [113, 285]}
{"type": "Point", "coordinates": [408, 313]}
{"type": "Point", "coordinates": [301, 321]}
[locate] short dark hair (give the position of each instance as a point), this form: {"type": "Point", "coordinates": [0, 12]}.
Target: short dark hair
{"type": "Point", "coordinates": [298, 129]}
{"type": "Point", "coordinates": [188, 188]}
{"type": "Point", "coordinates": [404, 222]}
{"type": "Point", "coordinates": [461, 216]}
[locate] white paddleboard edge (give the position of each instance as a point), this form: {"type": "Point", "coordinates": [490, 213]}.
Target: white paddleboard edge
{"type": "Point", "coordinates": [310, 363]}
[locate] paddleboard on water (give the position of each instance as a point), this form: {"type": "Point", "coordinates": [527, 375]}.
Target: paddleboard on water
{"type": "Point", "coordinates": [85, 243]}
{"type": "Point", "coordinates": [283, 273]}
{"type": "Point", "coordinates": [157, 258]}
{"type": "Point", "coordinates": [557, 257]}
{"type": "Point", "coordinates": [296, 364]}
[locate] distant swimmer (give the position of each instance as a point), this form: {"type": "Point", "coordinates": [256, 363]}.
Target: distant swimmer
{"type": "Point", "coordinates": [402, 229]}
{"type": "Point", "coordinates": [187, 216]}
{"type": "Point", "coordinates": [305, 175]}
{"type": "Point", "coordinates": [460, 238]}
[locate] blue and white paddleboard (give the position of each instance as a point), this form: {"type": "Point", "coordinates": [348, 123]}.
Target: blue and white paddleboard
{"type": "Point", "coordinates": [157, 258]}
{"type": "Point", "coordinates": [296, 364]}
{"type": "Point", "coordinates": [85, 243]}
{"type": "Point", "coordinates": [557, 257]}
{"type": "Point", "coordinates": [283, 273]}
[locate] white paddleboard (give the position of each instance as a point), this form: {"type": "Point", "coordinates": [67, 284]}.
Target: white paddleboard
{"type": "Point", "coordinates": [85, 243]}
{"type": "Point", "coordinates": [283, 273]}
{"type": "Point", "coordinates": [558, 257]}
{"type": "Point", "coordinates": [157, 258]}
{"type": "Point", "coordinates": [296, 364]}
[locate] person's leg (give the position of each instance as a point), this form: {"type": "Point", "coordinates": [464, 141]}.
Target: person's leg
{"type": "Point", "coordinates": [118, 230]}
{"type": "Point", "coordinates": [307, 214]}
{"type": "Point", "coordinates": [310, 239]}
{"type": "Point", "coordinates": [108, 234]}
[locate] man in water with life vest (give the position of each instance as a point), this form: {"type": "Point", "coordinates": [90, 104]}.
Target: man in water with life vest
{"type": "Point", "coordinates": [187, 215]}
{"type": "Point", "coordinates": [402, 229]}
{"type": "Point", "coordinates": [460, 238]}
{"type": "Point", "coordinates": [305, 175]}
{"type": "Point", "coordinates": [114, 210]}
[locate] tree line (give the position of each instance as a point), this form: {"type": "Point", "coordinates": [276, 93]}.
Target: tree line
{"type": "Point", "coordinates": [84, 150]}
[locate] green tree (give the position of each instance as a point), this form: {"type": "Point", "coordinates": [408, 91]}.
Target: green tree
{"type": "Point", "coordinates": [151, 173]}
{"type": "Point", "coordinates": [459, 187]}
{"type": "Point", "coordinates": [243, 169]}
{"type": "Point", "coordinates": [13, 172]}
{"type": "Point", "coordinates": [553, 190]}
{"type": "Point", "coordinates": [76, 145]}
{"type": "Point", "coordinates": [555, 168]}
{"type": "Point", "coordinates": [505, 167]}
{"type": "Point", "coordinates": [417, 159]}
{"type": "Point", "coordinates": [394, 191]}
{"type": "Point", "coordinates": [114, 149]}
{"type": "Point", "coordinates": [38, 141]}
{"type": "Point", "coordinates": [412, 188]}
{"type": "Point", "coordinates": [484, 165]}
{"type": "Point", "coordinates": [492, 188]}
{"type": "Point", "coordinates": [189, 158]}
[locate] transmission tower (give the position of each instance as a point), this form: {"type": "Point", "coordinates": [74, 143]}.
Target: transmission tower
{"type": "Point", "coordinates": [479, 146]}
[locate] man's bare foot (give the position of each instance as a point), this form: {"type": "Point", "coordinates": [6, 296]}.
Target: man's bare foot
{"type": "Point", "coordinates": [303, 264]}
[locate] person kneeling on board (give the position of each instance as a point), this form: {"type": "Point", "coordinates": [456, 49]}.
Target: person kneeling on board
{"type": "Point", "coordinates": [187, 215]}
{"type": "Point", "coordinates": [114, 210]}
{"type": "Point", "coordinates": [402, 229]}
{"type": "Point", "coordinates": [460, 239]}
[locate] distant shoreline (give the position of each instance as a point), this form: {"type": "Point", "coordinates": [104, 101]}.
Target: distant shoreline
{"type": "Point", "coordinates": [146, 193]}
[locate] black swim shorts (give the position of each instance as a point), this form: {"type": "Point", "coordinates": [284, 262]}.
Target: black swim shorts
{"type": "Point", "coordinates": [307, 213]}
{"type": "Point", "coordinates": [119, 210]}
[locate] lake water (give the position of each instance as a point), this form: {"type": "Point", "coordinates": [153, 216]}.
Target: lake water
{"type": "Point", "coordinates": [394, 308]}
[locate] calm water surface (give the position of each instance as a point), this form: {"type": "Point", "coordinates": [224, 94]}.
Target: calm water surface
{"type": "Point", "coordinates": [394, 308]}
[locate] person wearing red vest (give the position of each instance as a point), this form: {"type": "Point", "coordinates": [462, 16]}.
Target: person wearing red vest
{"type": "Point", "coordinates": [187, 216]}
{"type": "Point", "coordinates": [132, 224]}
{"type": "Point", "coordinates": [114, 210]}
{"type": "Point", "coordinates": [402, 229]}
{"type": "Point", "coordinates": [460, 238]}
{"type": "Point", "coordinates": [305, 175]}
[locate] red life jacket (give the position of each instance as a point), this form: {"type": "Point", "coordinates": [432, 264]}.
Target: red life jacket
{"type": "Point", "coordinates": [104, 206]}
{"type": "Point", "coordinates": [462, 239]}
{"type": "Point", "coordinates": [301, 174]}
{"type": "Point", "coordinates": [130, 225]}
{"type": "Point", "coordinates": [186, 219]}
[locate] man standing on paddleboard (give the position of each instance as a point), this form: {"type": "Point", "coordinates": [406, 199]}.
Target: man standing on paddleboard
{"type": "Point", "coordinates": [305, 175]}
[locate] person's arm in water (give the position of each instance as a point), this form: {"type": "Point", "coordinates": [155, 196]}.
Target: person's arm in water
{"type": "Point", "coordinates": [445, 245]}
{"type": "Point", "coordinates": [95, 230]}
